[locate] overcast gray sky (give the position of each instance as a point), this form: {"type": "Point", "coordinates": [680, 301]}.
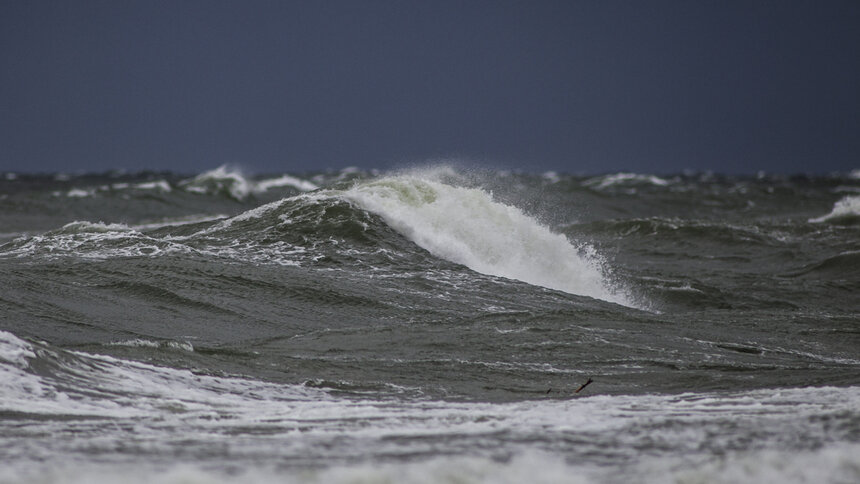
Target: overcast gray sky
{"type": "Point", "coordinates": [574, 86]}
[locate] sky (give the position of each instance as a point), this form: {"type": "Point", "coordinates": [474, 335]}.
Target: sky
{"type": "Point", "coordinates": [296, 86]}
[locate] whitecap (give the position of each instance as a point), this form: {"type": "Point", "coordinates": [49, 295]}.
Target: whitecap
{"type": "Point", "coordinates": [160, 185]}
{"type": "Point", "coordinates": [80, 193]}
{"type": "Point", "coordinates": [606, 181]}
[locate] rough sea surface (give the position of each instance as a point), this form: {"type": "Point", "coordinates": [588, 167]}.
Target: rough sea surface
{"type": "Point", "coordinates": [429, 325]}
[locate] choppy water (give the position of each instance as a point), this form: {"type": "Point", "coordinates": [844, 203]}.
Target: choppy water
{"type": "Point", "coordinates": [429, 325]}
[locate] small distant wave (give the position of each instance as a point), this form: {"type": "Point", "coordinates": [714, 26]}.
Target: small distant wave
{"type": "Point", "coordinates": [162, 186]}
{"type": "Point", "coordinates": [220, 180]}
{"type": "Point", "coordinates": [80, 193]}
{"type": "Point", "coordinates": [624, 180]}
{"type": "Point", "coordinates": [231, 182]}
{"type": "Point", "coordinates": [285, 181]}
{"type": "Point", "coordinates": [845, 211]}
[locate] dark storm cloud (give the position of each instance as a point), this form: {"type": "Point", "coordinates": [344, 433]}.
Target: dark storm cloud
{"type": "Point", "coordinates": [573, 86]}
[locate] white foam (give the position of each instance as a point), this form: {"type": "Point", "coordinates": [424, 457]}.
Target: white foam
{"type": "Point", "coordinates": [466, 226]}
{"type": "Point", "coordinates": [845, 209]}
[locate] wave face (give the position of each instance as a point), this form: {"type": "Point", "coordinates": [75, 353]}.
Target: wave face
{"type": "Point", "coordinates": [428, 325]}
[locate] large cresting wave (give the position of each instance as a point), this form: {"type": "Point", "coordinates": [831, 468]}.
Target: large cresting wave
{"type": "Point", "coordinates": [467, 226]}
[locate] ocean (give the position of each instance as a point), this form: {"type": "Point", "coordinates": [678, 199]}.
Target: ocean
{"type": "Point", "coordinates": [436, 324]}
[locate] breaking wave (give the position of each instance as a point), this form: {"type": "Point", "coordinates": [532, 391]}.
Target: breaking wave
{"type": "Point", "coordinates": [466, 226]}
